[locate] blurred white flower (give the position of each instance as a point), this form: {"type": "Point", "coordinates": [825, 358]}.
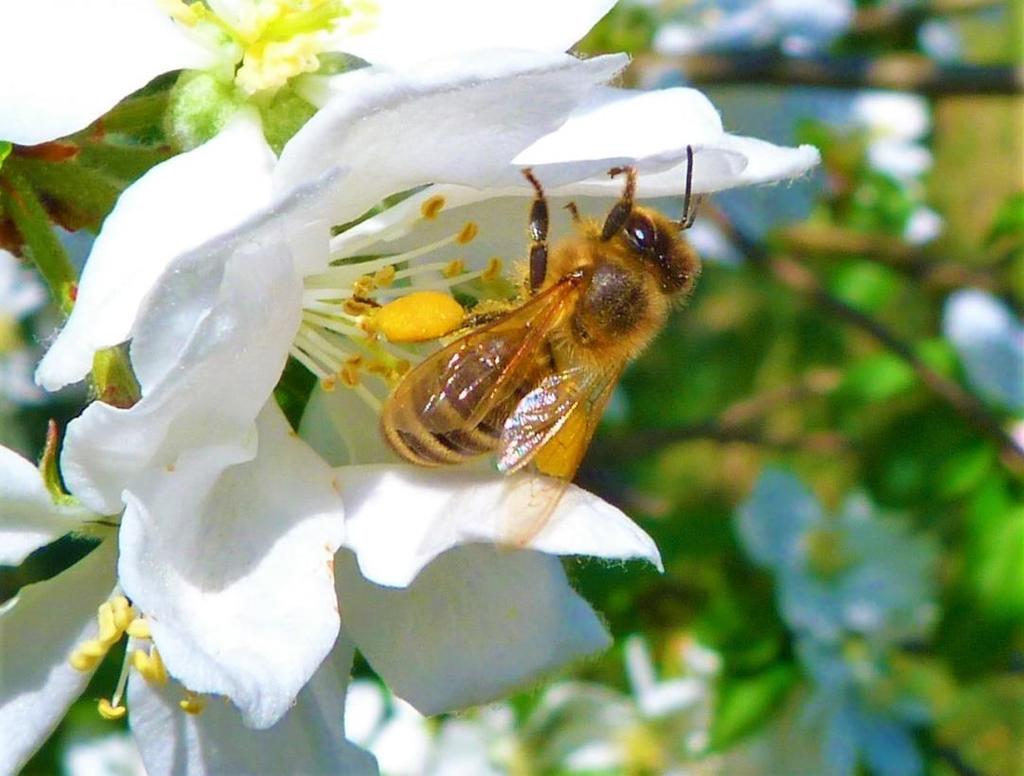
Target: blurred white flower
{"type": "Point", "coordinates": [21, 294]}
{"type": "Point", "coordinates": [852, 573]}
{"type": "Point", "coordinates": [989, 338]}
{"type": "Point", "coordinates": [114, 754]}
{"type": "Point", "coordinates": [940, 40]}
{"type": "Point", "coordinates": [923, 226]}
{"type": "Point", "coordinates": [852, 587]}
{"type": "Point", "coordinates": [797, 28]}
{"type": "Point", "coordinates": [896, 123]}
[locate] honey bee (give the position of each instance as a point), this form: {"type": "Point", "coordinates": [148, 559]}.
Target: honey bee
{"type": "Point", "coordinates": [530, 384]}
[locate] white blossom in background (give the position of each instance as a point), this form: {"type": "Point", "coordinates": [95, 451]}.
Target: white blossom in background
{"type": "Point", "coordinates": [114, 754]}
{"type": "Point", "coordinates": [575, 727]}
{"type": "Point", "coordinates": [897, 124]}
{"type": "Point", "coordinates": [21, 294]}
{"type": "Point", "coordinates": [798, 28]}
{"type": "Point", "coordinates": [989, 339]}
{"type": "Point", "coordinates": [852, 587]}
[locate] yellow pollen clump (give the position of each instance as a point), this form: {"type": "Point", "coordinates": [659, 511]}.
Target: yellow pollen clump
{"type": "Point", "coordinates": [454, 268]}
{"type": "Point", "coordinates": [109, 711]}
{"type": "Point", "coordinates": [493, 270]}
{"type": "Point", "coordinates": [192, 703]}
{"type": "Point", "coordinates": [469, 231]}
{"type": "Point", "coordinates": [419, 317]}
{"type": "Point", "coordinates": [329, 383]}
{"type": "Point", "coordinates": [432, 206]}
{"type": "Point", "coordinates": [112, 618]}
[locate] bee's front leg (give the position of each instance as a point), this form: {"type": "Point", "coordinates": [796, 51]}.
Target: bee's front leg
{"type": "Point", "coordinates": [538, 234]}
{"type": "Point", "coordinates": [620, 211]}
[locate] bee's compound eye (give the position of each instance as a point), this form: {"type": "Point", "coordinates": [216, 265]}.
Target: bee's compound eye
{"type": "Point", "coordinates": [642, 233]}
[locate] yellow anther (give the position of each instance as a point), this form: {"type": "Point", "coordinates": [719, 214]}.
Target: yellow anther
{"type": "Point", "coordinates": [150, 665]}
{"type": "Point", "coordinates": [402, 366]}
{"type": "Point", "coordinates": [419, 317]}
{"type": "Point", "coordinates": [377, 368]}
{"type": "Point", "coordinates": [363, 286]}
{"type": "Point", "coordinates": [192, 703]}
{"type": "Point", "coordinates": [329, 383]}
{"type": "Point", "coordinates": [88, 655]}
{"type": "Point", "coordinates": [454, 268]}
{"type": "Point", "coordinates": [352, 307]}
{"type": "Point", "coordinates": [109, 711]}
{"type": "Point", "coordinates": [108, 630]}
{"type": "Point", "coordinates": [384, 277]}
{"type": "Point", "coordinates": [493, 270]}
{"type": "Point", "coordinates": [432, 206]}
{"type": "Point", "coordinates": [349, 376]}
{"type": "Point", "coordinates": [354, 361]}
{"type": "Point", "coordinates": [469, 231]}
{"type": "Point", "coordinates": [123, 613]}
{"type": "Point", "coordinates": [139, 629]}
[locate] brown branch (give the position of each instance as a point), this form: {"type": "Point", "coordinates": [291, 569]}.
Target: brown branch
{"type": "Point", "coordinates": [820, 240]}
{"type": "Point", "coordinates": [798, 278]}
{"type": "Point", "coordinates": [875, 19]}
{"type": "Point", "coordinates": [904, 72]}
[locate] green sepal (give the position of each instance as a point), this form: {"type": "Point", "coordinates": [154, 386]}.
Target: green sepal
{"type": "Point", "coordinates": [114, 379]}
{"type": "Point", "coordinates": [200, 105]}
{"type": "Point", "coordinates": [49, 469]}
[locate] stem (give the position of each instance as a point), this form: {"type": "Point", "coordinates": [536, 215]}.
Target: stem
{"type": "Point", "coordinates": [903, 72]}
{"type": "Point", "coordinates": [798, 278]}
{"type": "Point", "coordinates": [33, 222]}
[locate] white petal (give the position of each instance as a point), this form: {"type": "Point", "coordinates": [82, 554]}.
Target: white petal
{"type": "Point", "coordinates": [617, 126]}
{"type": "Point", "coordinates": [779, 510]}
{"type": "Point", "coordinates": [401, 130]}
{"type": "Point", "coordinates": [335, 425]}
{"type": "Point", "coordinates": [30, 517]}
{"type": "Point", "coordinates": [308, 740]}
{"type": "Point", "coordinates": [67, 62]}
{"type": "Point", "coordinates": [407, 31]}
{"type": "Point", "coordinates": [651, 130]}
{"type": "Point", "coordinates": [402, 517]}
{"type": "Point", "coordinates": [364, 710]}
{"type": "Point", "coordinates": [234, 571]}
{"type": "Point", "coordinates": [38, 632]}
{"type": "Point", "coordinates": [220, 327]}
{"type": "Point", "coordinates": [171, 209]}
{"type": "Point", "coordinates": [478, 623]}
{"type": "Point", "coordinates": [990, 341]}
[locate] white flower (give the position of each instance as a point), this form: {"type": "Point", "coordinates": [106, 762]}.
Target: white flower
{"type": "Point", "coordinates": [114, 754]}
{"type": "Point", "coordinates": [105, 49]}
{"type": "Point", "coordinates": [841, 575]}
{"type": "Point", "coordinates": [989, 339]}
{"type": "Point", "coordinates": [799, 28]}
{"type": "Point", "coordinates": [21, 294]}
{"type": "Point", "coordinates": [253, 636]}
{"type": "Point", "coordinates": [102, 50]}
{"type": "Point", "coordinates": [443, 616]}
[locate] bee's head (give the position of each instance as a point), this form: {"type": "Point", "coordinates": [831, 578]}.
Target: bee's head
{"type": "Point", "coordinates": [657, 241]}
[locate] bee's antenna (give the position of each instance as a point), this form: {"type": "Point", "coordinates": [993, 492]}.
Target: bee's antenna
{"type": "Point", "coordinates": [689, 206]}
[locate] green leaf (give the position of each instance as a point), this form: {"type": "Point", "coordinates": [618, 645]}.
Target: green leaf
{"type": "Point", "coordinates": [1009, 221]}
{"type": "Point", "coordinates": [745, 704]}
{"type": "Point", "coordinates": [293, 391]}
{"type": "Point", "coordinates": [865, 285]}
{"type": "Point", "coordinates": [878, 378]}
{"type": "Point", "coordinates": [965, 469]}
{"type": "Point", "coordinates": [5, 151]}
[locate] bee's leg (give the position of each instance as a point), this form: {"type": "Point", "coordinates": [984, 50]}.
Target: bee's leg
{"type": "Point", "coordinates": [538, 234]}
{"type": "Point", "coordinates": [620, 211]}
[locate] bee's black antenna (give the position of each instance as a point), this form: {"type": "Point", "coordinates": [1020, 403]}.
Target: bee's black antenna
{"type": "Point", "coordinates": [689, 207]}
